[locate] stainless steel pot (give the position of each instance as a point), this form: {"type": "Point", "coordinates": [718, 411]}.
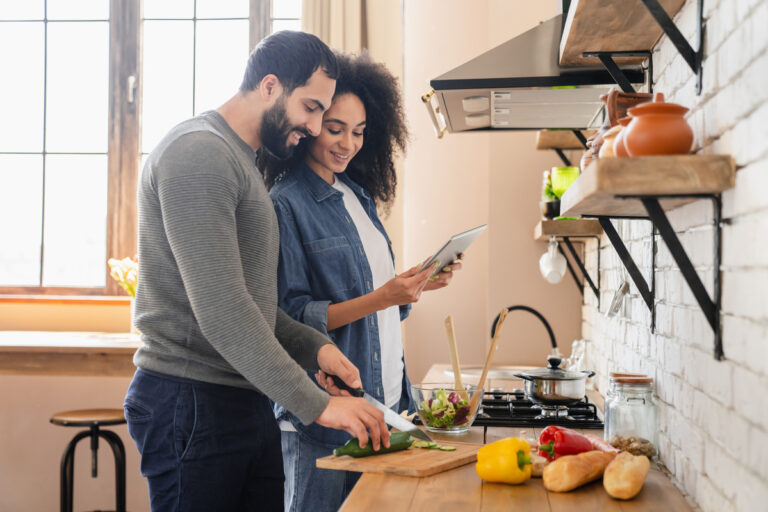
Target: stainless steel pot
{"type": "Point", "coordinates": [553, 385]}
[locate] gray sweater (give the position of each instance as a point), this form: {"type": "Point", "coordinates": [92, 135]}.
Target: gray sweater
{"type": "Point", "coordinates": [208, 252]}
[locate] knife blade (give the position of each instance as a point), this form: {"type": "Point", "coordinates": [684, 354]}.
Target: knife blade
{"type": "Point", "coordinates": [391, 418]}
{"type": "Point", "coordinates": [395, 420]}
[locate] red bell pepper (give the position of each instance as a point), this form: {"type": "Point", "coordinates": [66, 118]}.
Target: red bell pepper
{"type": "Point", "coordinates": [557, 441]}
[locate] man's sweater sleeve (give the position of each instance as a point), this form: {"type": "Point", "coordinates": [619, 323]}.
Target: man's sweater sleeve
{"type": "Point", "coordinates": [300, 340]}
{"type": "Point", "coordinates": [198, 207]}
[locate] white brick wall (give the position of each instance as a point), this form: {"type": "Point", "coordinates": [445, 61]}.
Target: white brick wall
{"type": "Point", "coordinates": [713, 415]}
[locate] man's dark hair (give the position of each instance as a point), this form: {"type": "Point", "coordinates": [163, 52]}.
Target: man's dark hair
{"type": "Point", "coordinates": [291, 56]}
{"type": "Point", "coordinates": [386, 132]}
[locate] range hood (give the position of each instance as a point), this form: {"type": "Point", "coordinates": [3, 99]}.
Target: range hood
{"type": "Point", "coordinates": [519, 85]}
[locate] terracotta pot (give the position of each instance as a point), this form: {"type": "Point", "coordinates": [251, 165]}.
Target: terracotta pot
{"type": "Point", "coordinates": [617, 103]}
{"type": "Point", "coordinates": [658, 128]}
{"type": "Point", "coordinates": [606, 150]}
{"type": "Point", "coordinates": [618, 143]}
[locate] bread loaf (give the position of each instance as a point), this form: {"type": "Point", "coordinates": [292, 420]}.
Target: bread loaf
{"type": "Point", "coordinates": [572, 471]}
{"type": "Point", "coordinates": [625, 475]}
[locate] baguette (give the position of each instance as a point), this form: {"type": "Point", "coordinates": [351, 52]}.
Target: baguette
{"type": "Point", "coordinates": [572, 471]}
{"type": "Point", "coordinates": [625, 475]}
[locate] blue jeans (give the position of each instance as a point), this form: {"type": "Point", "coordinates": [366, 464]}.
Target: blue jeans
{"type": "Point", "coordinates": [203, 446]}
{"type": "Point", "coordinates": [306, 486]}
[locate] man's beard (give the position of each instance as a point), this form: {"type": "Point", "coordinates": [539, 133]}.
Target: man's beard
{"type": "Point", "coordinates": [275, 130]}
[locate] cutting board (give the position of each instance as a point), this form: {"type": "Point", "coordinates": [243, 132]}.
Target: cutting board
{"type": "Point", "coordinates": [410, 462]}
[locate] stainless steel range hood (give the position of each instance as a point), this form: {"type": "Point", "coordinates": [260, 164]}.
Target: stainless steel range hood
{"type": "Point", "coordinates": [520, 85]}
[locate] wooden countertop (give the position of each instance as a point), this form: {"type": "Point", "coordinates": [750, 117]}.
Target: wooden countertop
{"type": "Point", "coordinates": [461, 488]}
{"type": "Point", "coordinates": [67, 353]}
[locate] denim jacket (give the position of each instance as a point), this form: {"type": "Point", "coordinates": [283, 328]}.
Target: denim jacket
{"type": "Point", "coordinates": [322, 262]}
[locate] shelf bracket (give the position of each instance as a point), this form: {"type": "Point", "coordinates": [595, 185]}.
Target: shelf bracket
{"type": "Point", "coordinates": [562, 156]}
{"type": "Point", "coordinates": [691, 56]}
{"type": "Point", "coordinates": [646, 292]}
{"type": "Point", "coordinates": [710, 307]}
{"type": "Point", "coordinates": [606, 58]}
{"type": "Point", "coordinates": [587, 279]}
{"type": "Point", "coordinates": [581, 138]}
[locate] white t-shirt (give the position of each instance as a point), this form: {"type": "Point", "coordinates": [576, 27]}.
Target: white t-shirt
{"type": "Point", "coordinates": [382, 269]}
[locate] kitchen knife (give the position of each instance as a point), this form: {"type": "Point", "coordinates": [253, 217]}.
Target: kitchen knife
{"type": "Point", "coordinates": [390, 417]}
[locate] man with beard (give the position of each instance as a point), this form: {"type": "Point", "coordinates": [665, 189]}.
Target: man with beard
{"type": "Point", "coordinates": [215, 344]}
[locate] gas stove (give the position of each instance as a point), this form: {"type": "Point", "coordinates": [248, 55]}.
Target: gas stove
{"type": "Point", "coordinates": [512, 409]}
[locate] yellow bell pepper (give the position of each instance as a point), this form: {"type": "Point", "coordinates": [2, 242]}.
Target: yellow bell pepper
{"type": "Point", "coordinates": [507, 461]}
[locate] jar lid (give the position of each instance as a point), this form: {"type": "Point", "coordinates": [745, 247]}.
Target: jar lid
{"type": "Point", "coordinates": [657, 106]}
{"type": "Point", "coordinates": [634, 380]}
{"type": "Point", "coordinates": [617, 374]}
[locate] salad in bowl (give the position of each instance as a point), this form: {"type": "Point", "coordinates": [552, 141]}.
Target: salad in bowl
{"type": "Point", "coordinates": [445, 409]}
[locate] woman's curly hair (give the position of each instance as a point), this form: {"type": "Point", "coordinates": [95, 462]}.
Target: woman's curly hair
{"type": "Point", "coordinates": [386, 133]}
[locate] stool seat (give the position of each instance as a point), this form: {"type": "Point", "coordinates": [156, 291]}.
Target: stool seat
{"type": "Point", "coordinates": [89, 417]}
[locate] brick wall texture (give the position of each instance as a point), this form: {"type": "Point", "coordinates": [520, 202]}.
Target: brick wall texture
{"type": "Point", "coordinates": [713, 415]}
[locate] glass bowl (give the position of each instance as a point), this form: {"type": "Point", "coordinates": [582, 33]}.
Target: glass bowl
{"type": "Point", "coordinates": [444, 409]}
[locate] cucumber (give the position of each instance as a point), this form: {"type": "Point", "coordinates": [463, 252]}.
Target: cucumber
{"type": "Point", "coordinates": [447, 448]}
{"type": "Point", "coordinates": [398, 441]}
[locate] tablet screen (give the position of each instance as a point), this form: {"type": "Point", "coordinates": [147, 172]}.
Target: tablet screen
{"type": "Point", "coordinates": [455, 245]}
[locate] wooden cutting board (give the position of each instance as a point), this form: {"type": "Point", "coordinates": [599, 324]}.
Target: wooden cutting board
{"type": "Point", "coordinates": [410, 462]}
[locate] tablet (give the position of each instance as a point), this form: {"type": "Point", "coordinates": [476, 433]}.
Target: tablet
{"type": "Point", "coordinates": [455, 245]}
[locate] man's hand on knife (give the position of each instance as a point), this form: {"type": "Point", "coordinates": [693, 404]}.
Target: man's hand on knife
{"type": "Point", "coordinates": [344, 412]}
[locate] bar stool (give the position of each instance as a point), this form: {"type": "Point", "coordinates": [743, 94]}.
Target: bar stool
{"type": "Point", "coordinates": [93, 419]}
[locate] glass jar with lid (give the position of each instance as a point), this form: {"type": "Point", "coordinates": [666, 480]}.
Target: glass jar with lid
{"type": "Point", "coordinates": [612, 382]}
{"type": "Point", "coordinates": [631, 415]}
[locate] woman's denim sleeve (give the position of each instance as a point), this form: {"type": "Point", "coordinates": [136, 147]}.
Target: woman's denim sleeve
{"type": "Point", "coordinates": [405, 310]}
{"type": "Point", "coordinates": [294, 290]}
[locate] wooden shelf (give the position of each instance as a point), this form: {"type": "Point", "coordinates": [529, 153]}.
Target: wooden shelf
{"type": "Point", "coordinates": [560, 139]}
{"type": "Point", "coordinates": [610, 25]}
{"type": "Point", "coordinates": [572, 228]}
{"type": "Point", "coordinates": [596, 192]}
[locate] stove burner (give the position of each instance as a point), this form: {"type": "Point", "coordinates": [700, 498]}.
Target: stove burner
{"type": "Point", "coordinates": [553, 411]}
{"type": "Point", "coordinates": [513, 409]}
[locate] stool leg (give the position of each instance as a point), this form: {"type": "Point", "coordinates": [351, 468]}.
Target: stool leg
{"type": "Point", "coordinates": [119, 451]}
{"type": "Point", "coordinates": [68, 472]}
{"type": "Point", "coordinates": [94, 451]}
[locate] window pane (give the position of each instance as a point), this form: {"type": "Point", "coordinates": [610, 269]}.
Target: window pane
{"type": "Point", "coordinates": [21, 195]}
{"type": "Point", "coordinates": [167, 75]}
{"type": "Point", "coordinates": [278, 25]}
{"type": "Point", "coordinates": [78, 9]}
{"type": "Point", "coordinates": [286, 9]}
{"type": "Point", "coordinates": [222, 53]}
{"type": "Point", "coordinates": [26, 10]}
{"type": "Point", "coordinates": [75, 221]}
{"type": "Point", "coordinates": [78, 85]}
{"type": "Point", "coordinates": [21, 99]}
{"type": "Point", "coordinates": [169, 8]}
{"type": "Point", "coordinates": [222, 8]}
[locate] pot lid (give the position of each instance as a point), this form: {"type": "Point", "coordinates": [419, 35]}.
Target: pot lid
{"type": "Point", "coordinates": [554, 372]}
{"type": "Point", "coordinates": [657, 106]}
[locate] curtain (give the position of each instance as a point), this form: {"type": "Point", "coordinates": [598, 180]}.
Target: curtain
{"type": "Point", "coordinates": [341, 24]}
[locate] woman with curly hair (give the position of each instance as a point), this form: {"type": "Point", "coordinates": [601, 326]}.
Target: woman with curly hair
{"type": "Point", "coordinates": [336, 270]}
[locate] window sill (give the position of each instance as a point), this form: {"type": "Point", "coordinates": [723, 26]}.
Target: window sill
{"type": "Point", "coordinates": [66, 300]}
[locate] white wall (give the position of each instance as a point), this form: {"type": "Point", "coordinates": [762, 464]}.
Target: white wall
{"type": "Point", "coordinates": [713, 414]}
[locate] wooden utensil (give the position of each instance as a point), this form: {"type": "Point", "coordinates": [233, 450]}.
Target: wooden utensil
{"type": "Point", "coordinates": [455, 358]}
{"type": "Point", "coordinates": [478, 395]}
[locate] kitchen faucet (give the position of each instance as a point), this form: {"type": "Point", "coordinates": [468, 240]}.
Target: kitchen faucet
{"type": "Point", "coordinates": [555, 350]}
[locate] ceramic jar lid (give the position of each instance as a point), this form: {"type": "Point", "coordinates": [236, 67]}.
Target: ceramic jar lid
{"type": "Point", "coordinates": [658, 106]}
